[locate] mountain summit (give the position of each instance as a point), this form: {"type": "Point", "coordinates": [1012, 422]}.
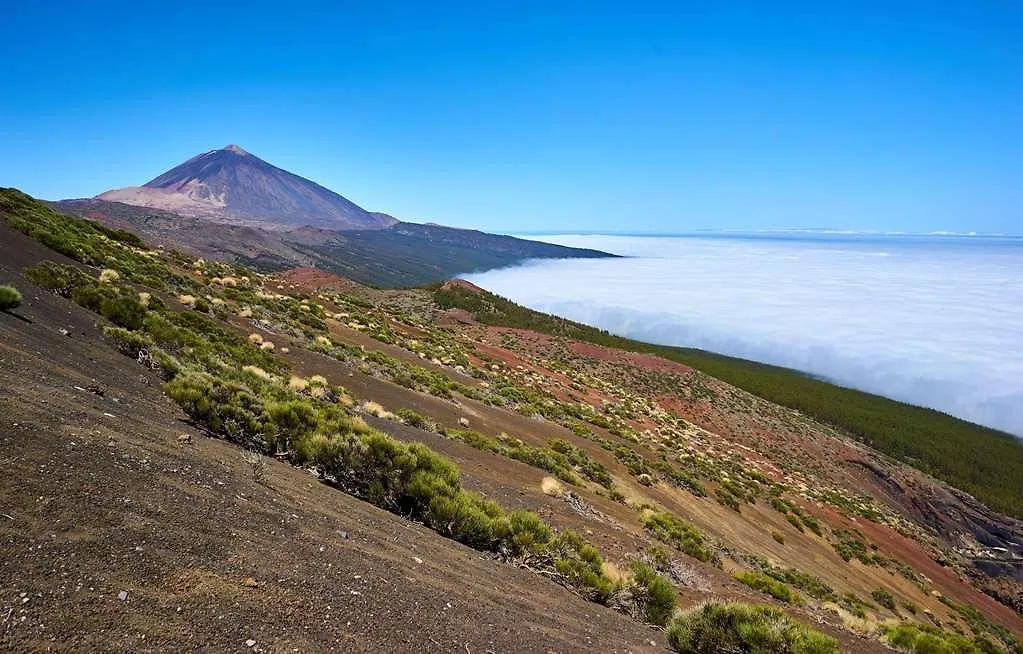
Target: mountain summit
{"type": "Point", "coordinates": [233, 186]}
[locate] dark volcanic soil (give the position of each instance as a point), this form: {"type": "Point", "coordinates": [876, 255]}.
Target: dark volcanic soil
{"type": "Point", "coordinates": [117, 537]}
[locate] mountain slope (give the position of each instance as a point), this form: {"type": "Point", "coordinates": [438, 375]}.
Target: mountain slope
{"type": "Point", "coordinates": [406, 254]}
{"type": "Point", "coordinates": [232, 185]}
{"type": "Point", "coordinates": [209, 557]}
{"type": "Point", "coordinates": [982, 461]}
{"type": "Point", "coordinates": [671, 478]}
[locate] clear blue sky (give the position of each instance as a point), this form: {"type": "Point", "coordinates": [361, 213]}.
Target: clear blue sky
{"type": "Point", "coordinates": [592, 115]}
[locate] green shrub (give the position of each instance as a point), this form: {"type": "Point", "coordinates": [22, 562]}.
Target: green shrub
{"type": "Point", "coordinates": [528, 532]}
{"type": "Point", "coordinates": [123, 310]}
{"type": "Point", "coordinates": [582, 564]}
{"type": "Point", "coordinates": [794, 521]}
{"type": "Point", "coordinates": [581, 461]}
{"type": "Point", "coordinates": [678, 533]}
{"type": "Point", "coordinates": [226, 408]}
{"type": "Point", "coordinates": [127, 342]}
{"type": "Point", "coordinates": [168, 365]}
{"type": "Point", "coordinates": [90, 296]}
{"type": "Point", "coordinates": [633, 460]}
{"type": "Point", "coordinates": [10, 298]}
{"type": "Point", "coordinates": [59, 278]}
{"type": "Point", "coordinates": [206, 340]}
{"type": "Point", "coordinates": [417, 420]}
{"type": "Point", "coordinates": [547, 459]}
{"type": "Point", "coordinates": [849, 544]}
{"type": "Point", "coordinates": [884, 598]}
{"type": "Point", "coordinates": [753, 628]}
{"type": "Point", "coordinates": [291, 420]}
{"type": "Point", "coordinates": [807, 519]}
{"type": "Point", "coordinates": [778, 537]}
{"type": "Point", "coordinates": [853, 604]}
{"type": "Point", "coordinates": [804, 581]}
{"type": "Point", "coordinates": [463, 516]}
{"type": "Point", "coordinates": [679, 479]}
{"type": "Point", "coordinates": [657, 593]}
{"type": "Point", "coordinates": [771, 586]}
{"type": "Point", "coordinates": [932, 640]}
{"type": "Point", "coordinates": [726, 498]}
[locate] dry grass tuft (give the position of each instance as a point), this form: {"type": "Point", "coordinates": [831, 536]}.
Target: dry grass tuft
{"type": "Point", "coordinates": [374, 409]}
{"type": "Point", "coordinates": [258, 372]}
{"type": "Point", "coordinates": [255, 339]}
{"type": "Point", "coordinates": [551, 486]}
{"type": "Point", "coordinates": [860, 626]}
{"type": "Point", "coordinates": [109, 275]}
{"type": "Point", "coordinates": [613, 572]}
{"type": "Point", "coordinates": [187, 300]}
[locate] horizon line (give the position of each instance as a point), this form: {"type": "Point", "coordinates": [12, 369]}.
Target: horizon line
{"type": "Point", "coordinates": [767, 231]}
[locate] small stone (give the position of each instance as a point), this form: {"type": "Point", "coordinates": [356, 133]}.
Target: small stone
{"type": "Point", "coordinates": [250, 582]}
{"type": "Point", "coordinates": [343, 534]}
{"type": "Point", "coordinates": [417, 559]}
{"type": "Point", "coordinates": [250, 642]}
{"type": "Point", "coordinates": [123, 595]}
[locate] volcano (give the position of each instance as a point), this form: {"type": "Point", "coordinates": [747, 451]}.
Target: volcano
{"type": "Point", "coordinates": [231, 185]}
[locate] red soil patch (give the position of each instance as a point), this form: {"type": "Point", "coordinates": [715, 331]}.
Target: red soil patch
{"type": "Point", "coordinates": [463, 284]}
{"type": "Point", "coordinates": [314, 279]}
{"type": "Point", "coordinates": [456, 317]}
{"type": "Point", "coordinates": [619, 357]}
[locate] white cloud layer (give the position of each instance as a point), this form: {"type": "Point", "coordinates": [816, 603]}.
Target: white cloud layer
{"type": "Point", "coordinates": [932, 321]}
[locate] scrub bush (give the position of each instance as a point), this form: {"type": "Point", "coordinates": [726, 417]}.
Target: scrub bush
{"type": "Point", "coordinates": [754, 628]}
{"type": "Point", "coordinates": [10, 298]}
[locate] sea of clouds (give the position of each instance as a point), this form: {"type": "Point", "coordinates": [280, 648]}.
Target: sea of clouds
{"type": "Point", "coordinates": [935, 321]}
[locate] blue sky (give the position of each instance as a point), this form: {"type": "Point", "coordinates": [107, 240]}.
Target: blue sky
{"type": "Point", "coordinates": [521, 116]}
